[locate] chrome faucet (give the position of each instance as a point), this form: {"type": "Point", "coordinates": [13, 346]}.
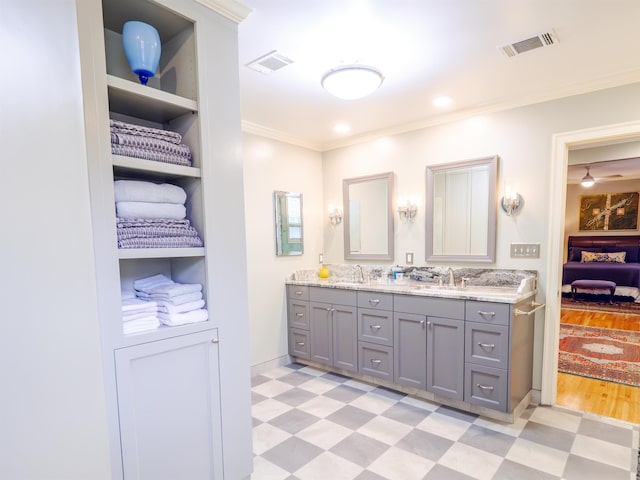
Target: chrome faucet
{"type": "Point", "coordinates": [452, 279]}
{"type": "Point", "coordinates": [359, 269]}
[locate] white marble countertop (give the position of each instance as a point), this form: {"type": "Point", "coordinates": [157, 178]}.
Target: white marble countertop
{"type": "Point", "coordinates": [427, 289]}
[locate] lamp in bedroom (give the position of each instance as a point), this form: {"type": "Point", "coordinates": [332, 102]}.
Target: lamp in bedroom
{"type": "Point", "coordinates": [587, 180]}
{"type": "Point", "coordinates": [142, 47]}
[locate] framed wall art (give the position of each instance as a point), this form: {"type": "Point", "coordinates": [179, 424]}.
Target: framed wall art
{"type": "Point", "coordinates": [609, 211]}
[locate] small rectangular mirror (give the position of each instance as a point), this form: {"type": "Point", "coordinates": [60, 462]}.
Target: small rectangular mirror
{"type": "Point", "coordinates": [288, 221]}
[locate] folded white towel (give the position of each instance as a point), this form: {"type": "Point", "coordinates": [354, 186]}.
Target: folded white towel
{"type": "Point", "coordinates": [140, 191]}
{"type": "Point", "coordinates": [138, 305]}
{"type": "Point", "coordinates": [174, 319]}
{"type": "Point", "coordinates": [127, 294]}
{"type": "Point", "coordinates": [168, 307]}
{"type": "Point", "coordinates": [128, 317]}
{"type": "Point", "coordinates": [150, 210]}
{"type": "Point", "coordinates": [152, 281]}
{"type": "Point", "coordinates": [177, 300]}
{"type": "Point", "coordinates": [140, 325]}
{"type": "Point", "coordinates": [172, 290]}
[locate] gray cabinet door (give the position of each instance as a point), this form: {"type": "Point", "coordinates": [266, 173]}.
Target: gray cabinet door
{"type": "Point", "coordinates": [445, 357]}
{"type": "Point", "coordinates": [298, 314]}
{"type": "Point", "coordinates": [321, 330]}
{"type": "Point", "coordinates": [375, 326]}
{"type": "Point", "coordinates": [169, 407]}
{"type": "Point", "coordinates": [345, 338]}
{"type": "Point", "coordinates": [410, 350]}
{"type": "Point", "coordinates": [298, 343]}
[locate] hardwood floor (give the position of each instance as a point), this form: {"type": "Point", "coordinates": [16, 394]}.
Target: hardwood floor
{"type": "Point", "coordinates": [596, 396]}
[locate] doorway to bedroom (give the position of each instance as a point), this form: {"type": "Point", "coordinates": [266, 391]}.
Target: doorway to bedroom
{"type": "Point", "coordinates": [599, 335]}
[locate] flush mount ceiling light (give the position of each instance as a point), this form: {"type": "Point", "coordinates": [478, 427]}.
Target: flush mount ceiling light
{"type": "Point", "coordinates": [587, 180]}
{"type": "Point", "coordinates": [351, 82]}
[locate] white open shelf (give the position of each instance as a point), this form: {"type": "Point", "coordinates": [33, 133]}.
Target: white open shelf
{"type": "Point", "coordinates": [134, 253]}
{"type": "Point", "coordinates": [150, 166]}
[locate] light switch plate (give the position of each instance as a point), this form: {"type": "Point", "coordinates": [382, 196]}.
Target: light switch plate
{"type": "Point", "coordinates": [320, 258]}
{"type": "Point", "coordinates": [408, 258]}
{"type": "Point", "coordinates": [525, 250]}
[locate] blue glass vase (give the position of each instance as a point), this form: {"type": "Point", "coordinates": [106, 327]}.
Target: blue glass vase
{"type": "Point", "coordinates": [141, 44]}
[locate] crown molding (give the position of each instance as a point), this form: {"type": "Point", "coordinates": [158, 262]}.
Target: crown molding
{"type": "Point", "coordinates": [273, 134]}
{"type": "Point", "coordinates": [234, 10]}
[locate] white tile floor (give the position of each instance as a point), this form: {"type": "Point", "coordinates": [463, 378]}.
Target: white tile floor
{"type": "Point", "coordinates": [309, 424]}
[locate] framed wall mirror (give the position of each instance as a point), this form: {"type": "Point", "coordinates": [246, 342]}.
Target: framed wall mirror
{"type": "Point", "coordinates": [288, 223]}
{"type": "Point", "coordinates": [461, 211]}
{"type": "Point", "coordinates": [368, 217]}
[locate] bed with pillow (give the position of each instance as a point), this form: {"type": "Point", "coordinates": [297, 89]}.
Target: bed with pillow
{"type": "Point", "coordinates": [613, 258]}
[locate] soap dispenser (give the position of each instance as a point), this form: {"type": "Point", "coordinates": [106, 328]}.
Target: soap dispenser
{"type": "Point", "coordinates": [324, 271]}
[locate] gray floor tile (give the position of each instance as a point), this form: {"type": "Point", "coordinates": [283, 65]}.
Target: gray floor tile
{"type": "Point", "coordinates": [295, 366]}
{"type": "Point", "coordinates": [259, 380]}
{"type": "Point", "coordinates": [344, 393]}
{"type": "Point", "coordinates": [294, 397]}
{"type": "Point", "coordinates": [580, 468]}
{"type": "Point", "coordinates": [407, 414]}
{"type": "Point", "coordinates": [549, 436]}
{"type": "Point", "coordinates": [295, 378]}
{"type": "Point", "coordinates": [388, 393]}
{"type": "Point", "coordinates": [440, 472]}
{"type": "Point", "coordinates": [359, 449]}
{"type": "Point", "coordinates": [335, 377]}
{"type": "Point", "coordinates": [257, 398]}
{"type": "Point", "coordinates": [292, 454]}
{"type": "Point", "coordinates": [367, 475]}
{"type": "Point", "coordinates": [488, 440]}
{"type": "Point", "coordinates": [455, 413]}
{"type": "Point", "coordinates": [255, 422]}
{"type": "Point", "coordinates": [293, 421]}
{"type": "Point", "coordinates": [350, 417]}
{"type": "Point", "coordinates": [425, 444]}
{"type": "Point", "coordinates": [509, 470]}
{"type": "Point", "coordinates": [608, 433]}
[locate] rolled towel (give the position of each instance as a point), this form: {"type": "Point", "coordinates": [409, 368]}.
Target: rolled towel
{"type": "Point", "coordinates": [150, 210]}
{"type": "Point", "coordinates": [177, 300]}
{"type": "Point", "coordinates": [174, 319]}
{"type": "Point", "coordinates": [168, 307]}
{"type": "Point", "coordinates": [140, 191]}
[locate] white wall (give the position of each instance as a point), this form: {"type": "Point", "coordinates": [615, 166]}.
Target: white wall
{"type": "Point", "coordinates": [52, 406]}
{"type": "Point", "coordinates": [522, 139]}
{"type": "Point", "coordinates": [270, 165]}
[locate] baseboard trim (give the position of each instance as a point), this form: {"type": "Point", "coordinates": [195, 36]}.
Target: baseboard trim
{"type": "Point", "coordinates": [260, 368]}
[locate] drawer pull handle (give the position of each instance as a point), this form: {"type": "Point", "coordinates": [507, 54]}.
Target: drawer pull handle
{"type": "Point", "coordinates": [487, 345]}
{"type": "Point", "coordinates": [300, 344]}
{"type": "Point", "coordinates": [484, 387]}
{"type": "Point", "coordinates": [298, 292]}
{"type": "Point", "coordinates": [486, 314]}
{"type": "Point", "coordinates": [376, 361]}
{"type": "Point", "coordinates": [375, 327]}
{"type": "Point", "coordinates": [374, 301]}
{"type": "Point", "coordinates": [300, 315]}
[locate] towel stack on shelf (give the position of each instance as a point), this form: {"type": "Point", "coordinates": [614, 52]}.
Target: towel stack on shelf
{"type": "Point", "coordinates": [178, 303]}
{"type": "Point", "coordinates": [152, 215]}
{"type": "Point", "coordinates": [149, 143]}
{"type": "Point", "coordinates": [138, 315]}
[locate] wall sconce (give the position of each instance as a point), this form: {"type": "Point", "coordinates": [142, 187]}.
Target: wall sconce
{"type": "Point", "coordinates": [335, 215]}
{"type": "Point", "coordinates": [511, 202]}
{"type": "Point", "coordinates": [407, 209]}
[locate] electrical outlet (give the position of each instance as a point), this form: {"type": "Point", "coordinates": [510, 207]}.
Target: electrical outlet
{"type": "Point", "coordinates": [408, 258]}
{"type": "Point", "coordinates": [320, 258]}
{"type": "Point", "coordinates": [525, 250]}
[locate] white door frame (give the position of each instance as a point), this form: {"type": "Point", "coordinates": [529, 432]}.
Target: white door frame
{"type": "Point", "coordinates": [560, 145]}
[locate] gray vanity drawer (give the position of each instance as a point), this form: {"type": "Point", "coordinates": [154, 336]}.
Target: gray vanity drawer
{"type": "Point", "coordinates": [299, 343]}
{"type": "Point", "coordinates": [334, 296]}
{"type": "Point", "coordinates": [486, 386]}
{"type": "Point", "coordinates": [301, 292]}
{"type": "Point", "coordinates": [375, 360]}
{"type": "Point", "coordinates": [487, 344]}
{"type": "Point", "coordinates": [377, 301]}
{"type": "Point", "coordinates": [433, 307]}
{"type": "Point", "coordinates": [487, 312]}
{"type": "Point", "coordinates": [375, 326]}
{"type": "Point", "coordinates": [298, 314]}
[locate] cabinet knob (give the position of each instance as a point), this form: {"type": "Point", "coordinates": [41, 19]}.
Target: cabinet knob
{"type": "Point", "coordinates": [215, 340]}
{"type": "Point", "coordinates": [298, 292]}
{"type": "Point", "coordinates": [374, 301]}
{"type": "Point", "coordinates": [422, 322]}
{"type": "Point", "coordinates": [428, 323]}
{"type": "Point", "coordinates": [375, 327]}
{"type": "Point", "coordinates": [490, 346]}
{"type": "Point", "coordinates": [329, 309]}
{"type": "Point", "coordinates": [300, 315]}
{"type": "Point", "coordinates": [300, 344]}
{"type": "Point", "coordinates": [376, 361]}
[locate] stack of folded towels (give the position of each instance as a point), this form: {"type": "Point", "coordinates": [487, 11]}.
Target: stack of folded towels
{"type": "Point", "coordinates": [149, 143]}
{"type": "Point", "coordinates": [152, 215]}
{"type": "Point", "coordinates": [138, 315]}
{"type": "Point", "coordinates": [177, 303]}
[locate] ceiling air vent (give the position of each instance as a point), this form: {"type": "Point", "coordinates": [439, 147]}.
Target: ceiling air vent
{"type": "Point", "coordinates": [270, 62]}
{"type": "Point", "coordinates": [537, 41]}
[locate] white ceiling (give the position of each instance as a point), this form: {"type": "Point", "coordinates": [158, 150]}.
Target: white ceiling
{"type": "Point", "coordinates": [425, 48]}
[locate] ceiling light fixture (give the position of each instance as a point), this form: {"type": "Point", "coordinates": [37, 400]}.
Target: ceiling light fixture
{"type": "Point", "coordinates": [442, 101]}
{"type": "Point", "coordinates": [351, 82]}
{"type": "Point", "coordinates": [587, 180]}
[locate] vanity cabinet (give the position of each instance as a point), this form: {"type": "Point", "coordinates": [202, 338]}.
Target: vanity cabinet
{"type": "Point", "coordinates": [410, 352]}
{"type": "Point", "coordinates": [333, 328]}
{"type": "Point", "coordinates": [375, 334]}
{"type": "Point", "coordinates": [445, 357]}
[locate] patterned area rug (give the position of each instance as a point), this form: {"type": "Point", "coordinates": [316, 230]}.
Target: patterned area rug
{"type": "Point", "coordinates": [602, 353]}
{"type": "Point", "coordinates": [600, 303]}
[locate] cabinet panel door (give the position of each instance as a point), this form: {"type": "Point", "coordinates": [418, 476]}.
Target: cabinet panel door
{"type": "Point", "coordinates": [298, 343]}
{"type": "Point", "coordinates": [169, 407]}
{"type": "Point", "coordinates": [321, 329]}
{"type": "Point", "coordinates": [410, 350]}
{"type": "Point", "coordinates": [345, 338]}
{"type": "Point", "coordinates": [299, 314]}
{"type": "Point", "coordinates": [487, 344]}
{"type": "Point", "coordinates": [445, 357]}
{"type": "Point", "coordinates": [375, 360]}
{"type": "Point", "coordinates": [375, 326]}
